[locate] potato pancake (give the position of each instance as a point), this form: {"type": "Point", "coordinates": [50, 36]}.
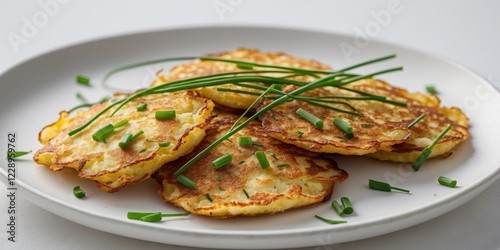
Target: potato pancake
{"type": "Point", "coordinates": [295, 177]}
{"type": "Point", "coordinates": [381, 131]}
{"type": "Point", "coordinates": [231, 99]}
{"type": "Point", "coordinates": [112, 167]}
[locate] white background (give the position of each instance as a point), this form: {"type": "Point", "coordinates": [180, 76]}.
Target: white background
{"type": "Point", "coordinates": [467, 32]}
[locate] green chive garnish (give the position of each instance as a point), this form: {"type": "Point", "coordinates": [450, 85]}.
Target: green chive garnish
{"type": "Point", "coordinates": [382, 186]}
{"type": "Point", "coordinates": [121, 123]}
{"type": "Point", "coordinates": [246, 194]}
{"type": "Point", "coordinates": [83, 80]}
{"type": "Point", "coordinates": [165, 114]}
{"type": "Point", "coordinates": [244, 65]}
{"type": "Point", "coordinates": [338, 209]}
{"type": "Point", "coordinates": [445, 181]}
{"type": "Point", "coordinates": [428, 150]}
{"type": "Point", "coordinates": [100, 134]}
{"type": "Point", "coordinates": [330, 220]}
{"type": "Point", "coordinates": [431, 89]}
{"type": "Point", "coordinates": [127, 138]}
{"type": "Point", "coordinates": [142, 107]}
{"type": "Point", "coordinates": [218, 178]}
{"type": "Point", "coordinates": [164, 144]}
{"type": "Point", "coordinates": [261, 157]}
{"type": "Point", "coordinates": [342, 125]}
{"type": "Point", "coordinates": [246, 141]}
{"type": "Point", "coordinates": [81, 98]}
{"type": "Point", "coordinates": [222, 161]}
{"type": "Point", "coordinates": [366, 125]}
{"type": "Point", "coordinates": [182, 179]}
{"type": "Point", "coordinates": [151, 217]}
{"type": "Point", "coordinates": [346, 203]}
{"type": "Point", "coordinates": [299, 134]}
{"type": "Point", "coordinates": [282, 165]}
{"type": "Point", "coordinates": [208, 197]}
{"type": "Point", "coordinates": [420, 117]}
{"type": "Point", "coordinates": [15, 154]}
{"type": "Point", "coordinates": [78, 192]}
{"type": "Point", "coordinates": [318, 123]}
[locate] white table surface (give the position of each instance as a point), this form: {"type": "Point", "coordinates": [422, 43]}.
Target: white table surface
{"type": "Point", "coordinates": [467, 32]}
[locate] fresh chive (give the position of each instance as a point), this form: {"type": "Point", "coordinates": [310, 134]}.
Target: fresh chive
{"type": "Point", "coordinates": [431, 89]}
{"type": "Point", "coordinates": [283, 165]}
{"type": "Point", "coordinates": [241, 162]}
{"type": "Point", "coordinates": [272, 154]}
{"type": "Point", "coordinates": [164, 144]}
{"type": "Point", "coordinates": [142, 107]}
{"type": "Point", "coordinates": [318, 123]}
{"type": "Point", "coordinates": [261, 157]}
{"type": "Point", "coordinates": [330, 220]}
{"type": "Point", "coordinates": [165, 114]}
{"type": "Point", "coordinates": [445, 181]}
{"type": "Point", "coordinates": [244, 65]}
{"type": "Point", "coordinates": [182, 179]}
{"type": "Point", "coordinates": [218, 178]}
{"type": "Point", "coordinates": [419, 118]}
{"type": "Point", "coordinates": [338, 209]}
{"type": "Point", "coordinates": [428, 150]}
{"type": "Point", "coordinates": [121, 123]}
{"type": "Point", "coordinates": [366, 125]}
{"type": "Point", "coordinates": [127, 138]}
{"type": "Point", "coordinates": [342, 125]}
{"type": "Point", "coordinates": [246, 194]}
{"type": "Point", "coordinates": [208, 197]}
{"type": "Point", "coordinates": [143, 150]}
{"type": "Point", "coordinates": [154, 217]}
{"type": "Point", "coordinates": [83, 80]}
{"type": "Point", "coordinates": [299, 134]}
{"type": "Point", "coordinates": [78, 192]}
{"type": "Point", "coordinates": [382, 186]}
{"type": "Point", "coordinates": [15, 154]}
{"type": "Point", "coordinates": [100, 134]}
{"type": "Point", "coordinates": [246, 141]}
{"type": "Point", "coordinates": [349, 136]}
{"type": "Point", "coordinates": [346, 203]}
{"type": "Point", "coordinates": [222, 161]}
{"type": "Point", "coordinates": [80, 97]}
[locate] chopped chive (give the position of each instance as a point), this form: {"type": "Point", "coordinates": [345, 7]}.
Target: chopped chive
{"type": "Point", "coordinates": [83, 80]}
{"type": "Point", "coordinates": [154, 217]}
{"type": "Point", "coordinates": [420, 117]}
{"type": "Point", "coordinates": [244, 65]}
{"type": "Point", "coordinates": [165, 114]}
{"type": "Point", "coordinates": [218, 178]}
{"type": "Point", "coordinates": [241, 162]}
{"type": "Point", "coordinates": [342, 125]}
{"type": "Point", "coordinates": [182, 179]}
{"type": "Point", "coordinates": [246, 194]}
{"type": "Point", "coordinates": [346, 203]}
{"type": "Point", "coordinates": [445, 181]}
{"type": "Point", "coordinates": [318, 123]}
{"type": "Point", "coordinates": [338, 209]}
{"type": "Point", "coordinates": [164, 144]}
{"type": "Point", "coordinates": [143, 150]}
{"type": "Point", "coordinates": [78, 192]}
{"type": "Point", "coordinates": [246, 141]}
{"type": "Point", "coordinates": [142, 107]}
{"type": "Point", "coordinates": [222, 161]}
{"type": "Point", "coordinates": [299, 134]}
{"type": "Point", "coordinates": [15, 154]}
{"type": "Point", "coordinates": [382, 186]}
{"type": "Point", "coordinates": [127, 138]}
{"type": "Point", "coordinates": [349, 136]}
{"type": "Point", "coordinates": [136, 215]}
{"type": "Point", "coordinates": [121, 123]}
{"type": "Point", "coordinates": [330, 220]}
{"type": "Point", "coordinates": [431, 89]}
{"type": "Point", "coordinates": [81, 98]}
{"type": "Point", "coordinates": [282, 165]}
{"type": "Point", "coordinates": [272, 154]}
{"type": "Point", "coordinates": [100, 134]}
{"type": "Point", "coordinates": [428, 150]}
{"type": "Point", "coordinates": [261, 157]}
{"type": "Point", "coordinates": [208, 197]}
{"type": "Point", "coordinates": [366, 125]}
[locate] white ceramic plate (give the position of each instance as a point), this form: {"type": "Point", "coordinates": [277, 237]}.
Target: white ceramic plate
{"type": "Point", "coordinates": [35, 91]}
